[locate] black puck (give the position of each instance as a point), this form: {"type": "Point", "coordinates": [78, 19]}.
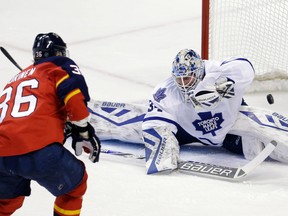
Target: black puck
{"type": "Point", "coordinates": [270, 99]}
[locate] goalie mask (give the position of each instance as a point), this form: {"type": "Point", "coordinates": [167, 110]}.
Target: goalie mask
{"type": "Point", "coordinates": [47, 45]}
{"type": "Point", "coordinates": [187, 71]}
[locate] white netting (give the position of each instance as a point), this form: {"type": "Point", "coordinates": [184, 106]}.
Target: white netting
{"type": "Point", "coordinates": [256, 29]}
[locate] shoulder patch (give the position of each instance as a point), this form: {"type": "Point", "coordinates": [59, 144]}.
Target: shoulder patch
{"type": "Point", "coordinates": [159, 95]}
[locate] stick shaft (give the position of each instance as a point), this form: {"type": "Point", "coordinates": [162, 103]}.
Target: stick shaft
{"type": "Point", "coordinates": [5, 52]}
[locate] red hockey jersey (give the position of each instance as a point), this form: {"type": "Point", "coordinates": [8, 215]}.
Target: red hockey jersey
{"type": "Point", "coordinates": [36, 102]}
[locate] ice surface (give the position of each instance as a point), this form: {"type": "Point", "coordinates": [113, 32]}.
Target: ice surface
{"type": "Point", "coordinates": [124, 48]}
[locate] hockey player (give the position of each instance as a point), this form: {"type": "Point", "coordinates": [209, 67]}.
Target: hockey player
{"type": "Point", "coordinates": [34, 107]}
{"type": "Point", "coordinates": [198, 103]}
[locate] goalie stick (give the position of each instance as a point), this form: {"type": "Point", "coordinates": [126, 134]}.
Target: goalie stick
{"type": "Point", "coordinates": [5, 52]}
{"type": "Point", "coordinates": [211, 170]}
{"type": "Point", "coordinates": [227, 172]}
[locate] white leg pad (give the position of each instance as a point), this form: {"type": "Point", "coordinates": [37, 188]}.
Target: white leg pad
{"type": "Point", "coordinates": [258, 126]}
{"type": "Point", "coordinates": [252, 146]}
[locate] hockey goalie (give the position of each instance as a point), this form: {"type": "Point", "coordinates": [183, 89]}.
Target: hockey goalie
{"type": "Point", "coordinates": [201, 102]}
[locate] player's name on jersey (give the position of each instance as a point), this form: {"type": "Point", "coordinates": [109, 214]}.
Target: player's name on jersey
{"type": "Point", "coordinates": [23, 74]}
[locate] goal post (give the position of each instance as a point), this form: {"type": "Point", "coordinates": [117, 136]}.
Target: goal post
{"type": "Point", "coordinates": [255, 29]}
{"type": "Point", "coordinates": [205, 29]}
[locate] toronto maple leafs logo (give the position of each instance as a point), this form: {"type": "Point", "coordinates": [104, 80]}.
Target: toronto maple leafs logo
{"type": "Point", "coordinates": [208, 123]}
{"type": "Point", "coordinates": [159, 95]}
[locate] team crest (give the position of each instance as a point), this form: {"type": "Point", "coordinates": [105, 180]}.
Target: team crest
{"type": "Point", "coordinates": [208, 123]}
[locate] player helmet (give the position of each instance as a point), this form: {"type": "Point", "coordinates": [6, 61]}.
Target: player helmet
{"type": "Point", "coordinates": [48, 44]}
{"type": "Point", "coordinates": [188, 70]}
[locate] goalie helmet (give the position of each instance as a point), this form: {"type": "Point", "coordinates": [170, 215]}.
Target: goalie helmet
{"type": "Point", "coordinates": [48, 44]}
{"type": "Point", "coordinates": [188, 70]}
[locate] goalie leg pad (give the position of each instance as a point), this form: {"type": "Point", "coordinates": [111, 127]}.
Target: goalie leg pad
{"type": "Point", "coordinates": [252, 146]}
{"type": "Point", "coordinates": [161, 149]}
{"type": "Point", "coordinates": [266, 125]}
{"type": "Point", "coordinates": [280, 153]}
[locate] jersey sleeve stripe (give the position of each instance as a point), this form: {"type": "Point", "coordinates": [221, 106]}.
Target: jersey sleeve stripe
{"type": "Point", "coordinates": [71, 94]}
{"type": "Point", "coordinates": [61, 80]}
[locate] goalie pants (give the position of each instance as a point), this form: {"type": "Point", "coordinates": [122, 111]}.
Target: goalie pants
{"type": "Point", "coordinates": [53, 167]}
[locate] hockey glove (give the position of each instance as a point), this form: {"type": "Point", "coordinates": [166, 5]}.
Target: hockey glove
{"type": "Point", "coordinates": [225, 89]}
{"type": "Point", "coordinates": [161, 149]}
{"type": "Point", "coordinates": [208, 98]}
{"type": "Point", "coordinates": [205, 98]}
{"type": "Point", "coordinates": [68, 130]}
{"type": "Point", "coordinates": [85, 138]}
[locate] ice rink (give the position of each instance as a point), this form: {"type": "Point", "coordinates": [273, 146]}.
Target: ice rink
{"type": "Point", "coordinates": [124, 48]}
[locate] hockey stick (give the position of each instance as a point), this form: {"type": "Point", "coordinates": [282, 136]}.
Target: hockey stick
{"type": "Point", "coordinates": [211, 170]}
{"type": "Point", "coordinates": [122, 154]}
{"type": "Point", "coordinates": [5, 52]}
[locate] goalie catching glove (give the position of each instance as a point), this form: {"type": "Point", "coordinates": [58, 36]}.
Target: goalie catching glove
{"type": "Point", "coordinates": [85, 138]}
{"type": "Point", "coordinates": [225, 87]}
{"type": "Point", "coordinates": [209, 96]}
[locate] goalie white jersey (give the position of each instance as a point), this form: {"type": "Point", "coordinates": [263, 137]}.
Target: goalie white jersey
{"type": "Point", "coordinates": [191, 124]}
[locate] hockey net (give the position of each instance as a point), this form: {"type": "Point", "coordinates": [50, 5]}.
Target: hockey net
{"type": "Point", "coordinates": [255, 29]}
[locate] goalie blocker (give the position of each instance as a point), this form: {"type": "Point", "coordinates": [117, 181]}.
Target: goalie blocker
{"type": "Point", "coordinates": [161, 150]}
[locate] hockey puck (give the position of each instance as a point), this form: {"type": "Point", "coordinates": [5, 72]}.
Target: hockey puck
{"type": "Point", "coordinates": [270, 99]}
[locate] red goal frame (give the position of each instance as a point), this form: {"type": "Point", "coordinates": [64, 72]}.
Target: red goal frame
{"type": "Point", "coordinates": [205, 30]}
